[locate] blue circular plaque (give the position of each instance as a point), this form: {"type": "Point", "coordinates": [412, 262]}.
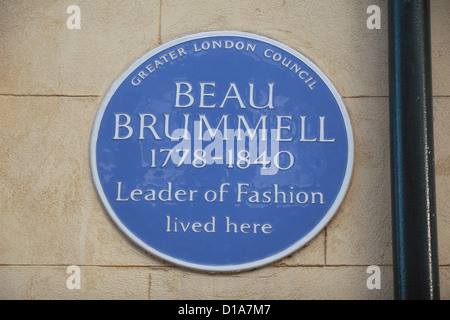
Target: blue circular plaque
{"type": "Point", "coordinates": [222, 151]}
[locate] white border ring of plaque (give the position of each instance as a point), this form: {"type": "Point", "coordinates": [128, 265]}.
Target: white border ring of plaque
{"type": "Point", "coordinates": [255, 262]}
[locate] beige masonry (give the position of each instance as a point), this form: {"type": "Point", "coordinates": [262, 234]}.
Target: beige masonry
{"type": "Point", "coordinates": [52, 83]}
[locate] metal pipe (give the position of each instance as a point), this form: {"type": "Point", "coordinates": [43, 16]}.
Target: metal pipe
{"type": "Point", "coordinates": [416, 274]}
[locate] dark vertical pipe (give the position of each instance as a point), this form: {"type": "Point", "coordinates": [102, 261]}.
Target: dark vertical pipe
{"type": "Point", "coordinates": [416, 274]}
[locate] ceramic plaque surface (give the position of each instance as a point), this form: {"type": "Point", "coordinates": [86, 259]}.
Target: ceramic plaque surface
{"type": "Point", "coordinates": [222, 151]}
